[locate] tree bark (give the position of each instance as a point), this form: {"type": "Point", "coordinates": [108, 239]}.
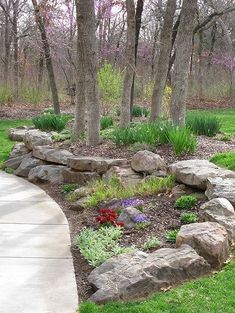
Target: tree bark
{"type": "Point", "coordinates": [182, 62]}
{"type": "Point", "coordinates": [15, 47]}
{"type": "Point", "coordinates": [138, 18]}
{"type": "Point", "coordinates": [130, 65]}
{"type": "Point", "coordinates": [163, 61]}
{"type": "Point", "coordinates": [47, 54]}
{"type": "Point", "coordinates": [87, 31]}
{"type": "Point", "coordinates": [79, 124]}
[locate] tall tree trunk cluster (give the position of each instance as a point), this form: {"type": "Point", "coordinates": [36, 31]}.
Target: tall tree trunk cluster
{"type": "Point", "coordinates": [87, 77]}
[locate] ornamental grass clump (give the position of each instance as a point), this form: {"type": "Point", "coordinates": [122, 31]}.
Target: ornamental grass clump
{"type": "Point", "coordinates": [203, 124]}
{"type": "Point", "coordinates": [50, 122]}
{"type": "Point", "coordinates": [99, 245]}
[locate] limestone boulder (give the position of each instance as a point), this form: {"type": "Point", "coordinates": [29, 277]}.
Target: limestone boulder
{"type": "Point", "coordinates": [26, 165]}
{"type": "Point", "coordinates": [35, 137]}
{"type": "Point", "coordinates": [195, 173]}
{"type": "Point", "coordinates": [14, 163]}
{"type": "Point", "coordinates": [47, 174]}
{"type": "Point", "coordinates": [71, 176]}
{"type": "Point", "coordinates": [147, 162]}
{"type": "Point", "coordinates": [221, 188]}
{"type": "Point", "coordinates": [17, 134]}
{"type": "Point", "coordinates": [94, 164]}
{"type": "Point", "coordinates": [18, 150]}
{"type": "Point", "coordinates": [129, 217]}
{"type": "Point", "coordinates": [210, 240]}
{"type": "Point", "coordinates": [218, 206]}
{"type": "Point", "coordinates": [50, 154]}
{"type": "Point", "coordinates": [138, 274]}
{"type": "Point", "coordinates": [126, 176]}
{"type": "Point", "coordinates": [221, 211]}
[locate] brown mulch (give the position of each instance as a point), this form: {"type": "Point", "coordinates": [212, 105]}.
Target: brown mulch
{"type": "Point", "coordinates": [159, 209]}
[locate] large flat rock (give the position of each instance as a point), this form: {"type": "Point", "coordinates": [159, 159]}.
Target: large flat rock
{"type": "Point", "coordinates": [75, 177]}
{"type": "Point", "coordinates": [46, 174]}
{"type": "Point", "coordinates": [50, 154]}
{"type": "Point", "coordinates": [94, 164]}
{"type": "Point", "coordinates": [139, 274]}
{"type": "Point", "coordinates": [195, 173]}
{"type": "Point", "coordinates": [35, 137]}
{"type": "Point", "coordinates": [147, 162]}
{"type": "Point", "coordinates": [17, 134]}
{"type": "Point", "coordinates": [210, 240]}
{"type": "Point", "coordinates": [221, 188]}
{"type": "Point", "coordinates": [26, 165]}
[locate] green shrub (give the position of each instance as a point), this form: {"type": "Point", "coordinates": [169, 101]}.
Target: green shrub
{"type": "Point", "coordinates": [226, 159]}
{"type": "Point", "coordinates": [203, 124]}
{"type": "Point", "coordinates": [106, 122]}
{"type": "Point", "coordinates": [181, 139]}
{"type": "Point", "coordinates": [99, 245]}
{"type": "Point", "coordinates": [110, 83]}
{"type": "Point", "coordinates": [151, 243]}
{"type": "Point", "coordinates": [186, 202]}
{"type": "Point", "coordinates": [138, 111]}
{"type": "Point", "coordinates": [67, 188]}
{"type": "Point", "coordinates": [49, 122]}
{"type": "Point", "coordinates": [188, 218]}
{"type": "Point", "coordinates": [171, 235]}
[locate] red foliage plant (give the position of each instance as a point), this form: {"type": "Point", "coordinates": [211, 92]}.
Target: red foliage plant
{"type": "Point", "coordinates": [108, 217]}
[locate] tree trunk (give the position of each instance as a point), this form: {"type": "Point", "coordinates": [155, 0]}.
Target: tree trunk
{"type": "Point", "coordinates": [163, 61]}
{"type": "Point", "coordinates": [87, 31]}
{"type": "Point", "coordinates": [182, 62]}
{"type": "Point", "coordinates": [40, 70]}
{"type": "Point", "coordinates": [130, 65]}
{"type": "Point", "coordinates": [7, 44]}
{"type": "Point", "coordinates": [79, 124]}
{"type": "Point", "coordinates": [15, 48]}
{"type": "Point", "coordinates": [47, 54]}
{"type": "Point", "coordinates": [138, 17]}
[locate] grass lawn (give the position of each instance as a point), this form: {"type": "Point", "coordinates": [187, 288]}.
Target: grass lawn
{"type": "Point", "coordinates": [214, 294]}
{"type": "Point", "coordinates": [6, 144]}
{"type": "Point", "coordinates": [226, 159]}
{"type": "Point", "coordinates": [227, 117]}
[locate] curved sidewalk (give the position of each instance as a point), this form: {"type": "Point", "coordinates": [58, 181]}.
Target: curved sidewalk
{"type": "Point", "coordinates": [36, 266]}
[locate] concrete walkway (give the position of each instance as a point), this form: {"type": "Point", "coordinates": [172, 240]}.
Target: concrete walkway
{"type": "Point", "coordinates": [36, 266]}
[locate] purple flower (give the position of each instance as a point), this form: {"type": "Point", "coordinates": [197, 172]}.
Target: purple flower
{"type": "Point", "coordinates": [141, 218]}
{"type": "Point", "coordinates": [131, 202]}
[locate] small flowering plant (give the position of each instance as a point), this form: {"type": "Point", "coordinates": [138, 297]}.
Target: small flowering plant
{"type": "Point", "coordinates": [140, 218]}
{"type": "Point", "coordinates": [108, 217]}
{"type": "Point", "coordinates": [135, 202]}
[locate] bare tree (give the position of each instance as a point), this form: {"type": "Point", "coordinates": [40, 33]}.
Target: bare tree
{"type": "Point", "coordinates": [182, 62]}
{"type": "Point", "coordinates": [129, 64]}
{"type": "Point", "coordinates": [46, 47]}
{"type": "Point", "coordinates": [79, 124]}
{"type": "Point", "coordinates": [89, 66]}
{"type": "Point", "coordinates": [163, 60]}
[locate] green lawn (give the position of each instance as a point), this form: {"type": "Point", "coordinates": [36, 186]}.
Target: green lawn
{"type": "Point", "coordinates": [227, 117]}
{"type": "Point", "coordinates": [226, 160]}
{"type": "Point", "coordinates": [214, 294]}
{"type": "Point", "coordinates": [5, 144]}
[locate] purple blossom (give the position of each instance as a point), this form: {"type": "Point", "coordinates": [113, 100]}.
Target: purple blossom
{"type": "Point", "coordinates": [130, 202]}
{"type": "Point", "coordinates": [141, 218]}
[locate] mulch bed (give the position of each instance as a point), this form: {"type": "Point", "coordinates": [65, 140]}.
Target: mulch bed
{"type": "Point", "coordinates": [160, 211]}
